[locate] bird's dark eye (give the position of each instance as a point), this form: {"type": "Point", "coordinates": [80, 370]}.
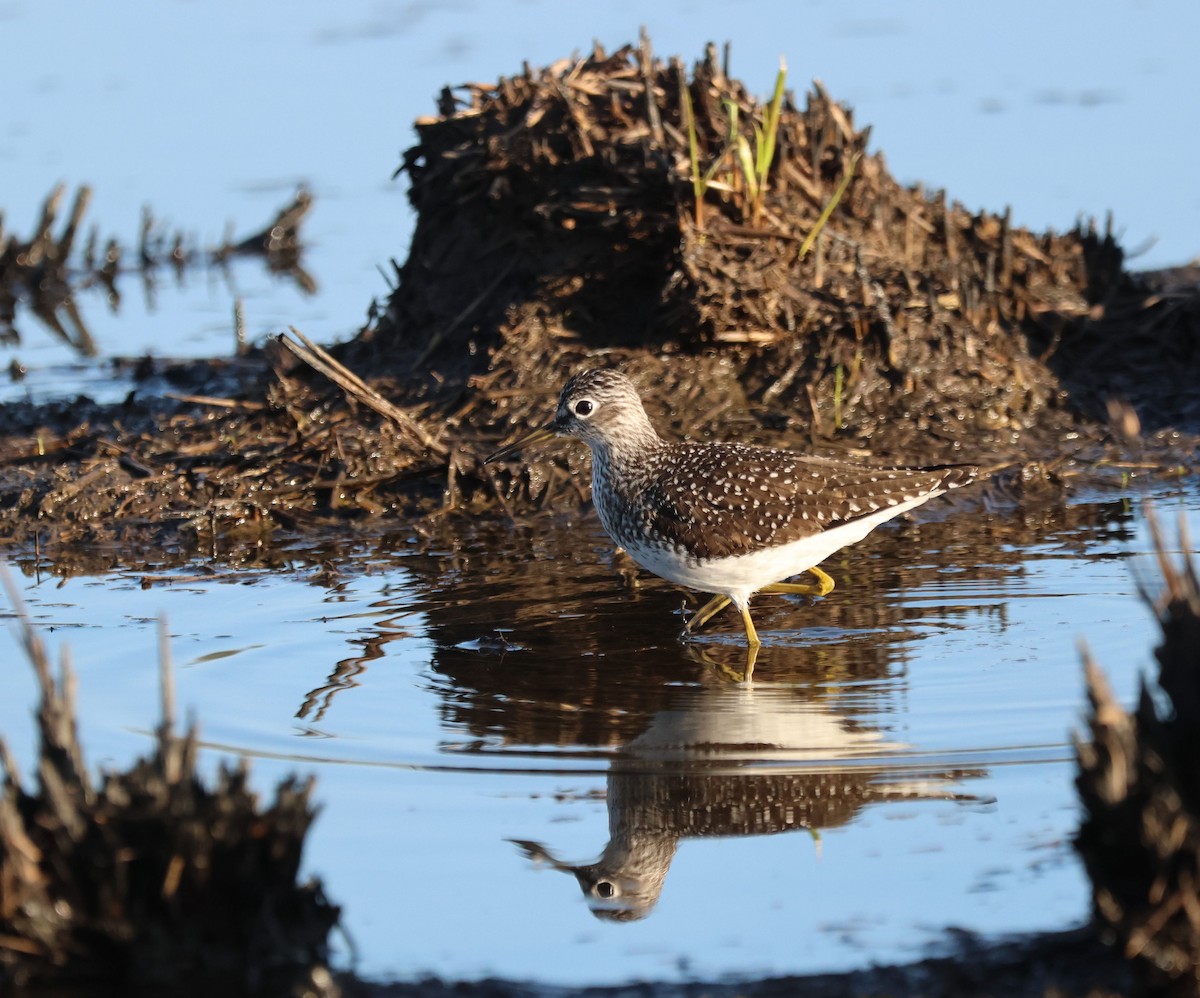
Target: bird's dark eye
{"type": "Point", "coordinates": [604, 889]}
{"type": "Point", "coordinates": [584, 407]}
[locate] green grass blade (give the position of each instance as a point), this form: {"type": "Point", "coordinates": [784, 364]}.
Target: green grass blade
{"type": "Point", "coordinates": [699, 180]}
{"type": "Point", "coordinates": [770, 129]}
{"type": "Point", "coordinates": [827, 211]}
{"type": "Point", "coordinates": [746, 160]}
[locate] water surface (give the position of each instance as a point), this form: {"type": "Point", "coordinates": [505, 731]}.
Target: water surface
{"type": "Point", "coordinates": [500, 722]}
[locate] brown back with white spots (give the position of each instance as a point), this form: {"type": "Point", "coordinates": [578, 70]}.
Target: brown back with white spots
{"type": "Point", "coordinates": [720, 500]}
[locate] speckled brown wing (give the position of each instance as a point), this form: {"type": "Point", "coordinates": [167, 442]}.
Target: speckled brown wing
{"type": "Point", "coordinates": [721, 500]}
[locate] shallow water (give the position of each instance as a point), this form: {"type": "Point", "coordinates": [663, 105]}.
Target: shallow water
{"type": "Point", "coordinates": [501, 718]}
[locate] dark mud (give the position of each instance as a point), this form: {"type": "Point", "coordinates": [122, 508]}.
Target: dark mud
{"type": "Point", "coordinates": [1056, 965]}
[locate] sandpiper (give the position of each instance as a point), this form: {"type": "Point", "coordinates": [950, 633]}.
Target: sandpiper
{"type": "Point", "coordinates": [726, 518]}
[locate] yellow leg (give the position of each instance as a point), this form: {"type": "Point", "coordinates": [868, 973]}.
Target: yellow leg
{"type": "Point", "coordinates": [824, 582]}
{"type": "Point", "coordinates": [751, 633]}
{"type": "Point", "coordinates": [823, 587]}
{"type": "Point", "coordinates": [707, 612]}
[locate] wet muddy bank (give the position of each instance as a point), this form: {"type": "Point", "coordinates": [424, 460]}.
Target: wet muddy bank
{"type": "Point", "coordinates": [603, 211]}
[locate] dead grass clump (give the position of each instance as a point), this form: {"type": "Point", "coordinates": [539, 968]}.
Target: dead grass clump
{"type": "Point", "coordinates": [152, 878]}
{"type": "Point", "coordinates": [1139, 780]}
{"type": "Point", "coordinates": [793, 293]}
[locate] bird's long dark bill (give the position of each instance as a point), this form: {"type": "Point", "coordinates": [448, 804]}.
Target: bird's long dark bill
{"type": "Point", "coordinates": [536, 437]}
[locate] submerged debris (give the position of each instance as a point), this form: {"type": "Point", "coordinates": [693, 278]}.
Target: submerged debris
{"type": "Point", "coordinates": [1139, 780]}
{"type": "Point", "coordinates": [279, 243]}
{"type": "Point", "coordinates": [152, 877]}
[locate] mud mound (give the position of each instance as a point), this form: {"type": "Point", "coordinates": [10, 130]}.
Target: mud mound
{"type": "Point", "coordinates": [557, 217]}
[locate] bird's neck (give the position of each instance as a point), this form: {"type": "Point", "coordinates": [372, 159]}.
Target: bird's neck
{"type": "Point", "coordinates": [626, 450]}
{"type": "Point", "coordinates": [621, 468]}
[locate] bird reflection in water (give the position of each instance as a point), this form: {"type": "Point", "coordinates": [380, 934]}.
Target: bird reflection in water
{"type": "Point", "coordinates": [731, 762]}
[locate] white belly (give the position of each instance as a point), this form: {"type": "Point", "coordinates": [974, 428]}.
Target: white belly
{"type": "Point", "coordinates": [739, 576]}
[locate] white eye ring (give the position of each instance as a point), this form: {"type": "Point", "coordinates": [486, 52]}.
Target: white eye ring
{"type": "Point", "coordinates": [584, 408]}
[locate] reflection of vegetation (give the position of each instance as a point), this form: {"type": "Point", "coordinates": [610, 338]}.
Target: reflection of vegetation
{"type": "Point", "coordinates": [151, 878]}
{"type": "Point", "coordinates": [41, 273]}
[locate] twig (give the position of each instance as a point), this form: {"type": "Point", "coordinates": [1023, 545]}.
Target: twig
{"type": "Point", "coordinates": [321, 361]}
{"type": "Point", "coordinates": [219, 402]}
